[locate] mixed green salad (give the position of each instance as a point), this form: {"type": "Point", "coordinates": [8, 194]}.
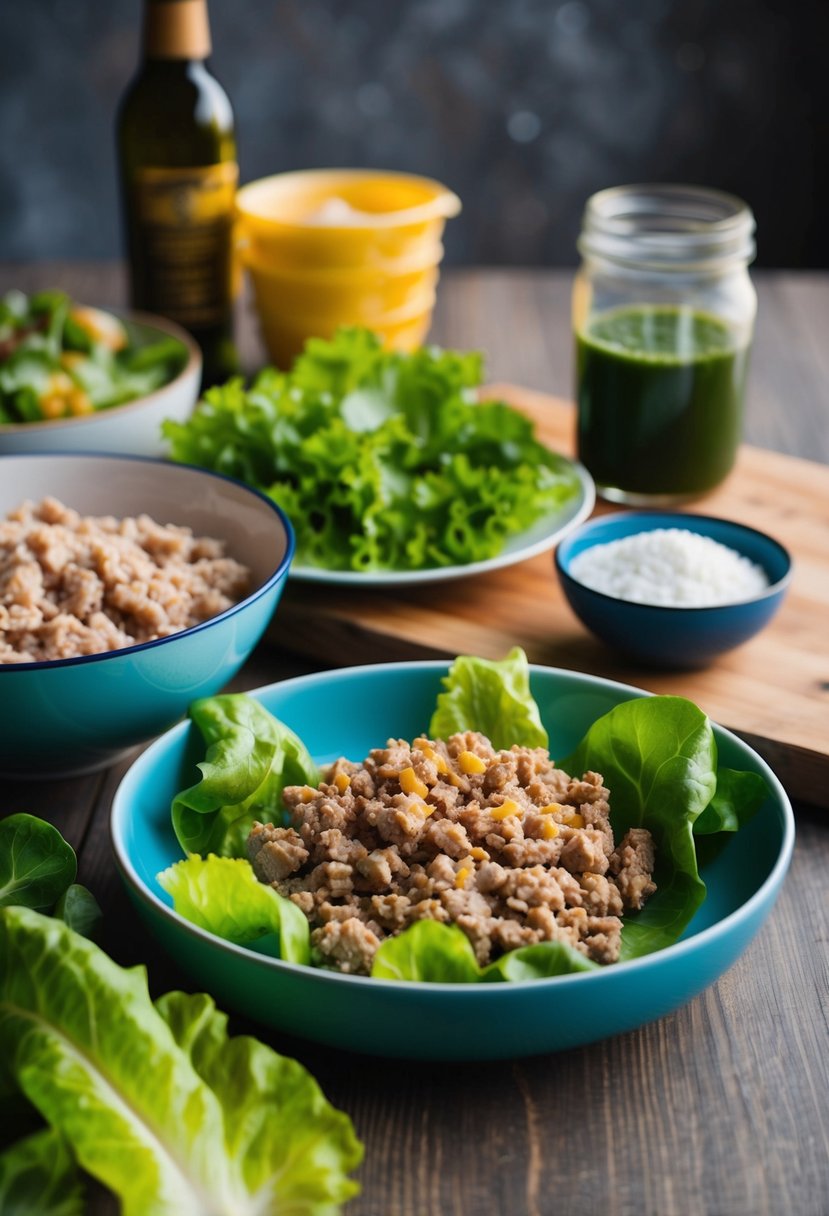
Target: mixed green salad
{"type": "Point", "coordinates": [59, 359]}
{"type": "Point", "coordinates": [381, 460]}
{"type": "Point", "coordinates": [152, 1098]}
{"type": "Point", "coordinates": [658, 757]}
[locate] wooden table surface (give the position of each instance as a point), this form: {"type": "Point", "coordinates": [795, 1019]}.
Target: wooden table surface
{"type": "Point", "coordinates": [720, 1109]}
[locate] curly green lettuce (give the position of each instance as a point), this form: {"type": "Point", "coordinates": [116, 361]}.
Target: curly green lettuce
{"type": "Point", "coordinates": [381, 460]}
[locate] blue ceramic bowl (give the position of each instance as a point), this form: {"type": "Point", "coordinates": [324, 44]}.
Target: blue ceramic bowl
{"type": "Point", "coordinates": [347, 712]}
{"type": "Point", "coordinates": [70, 716]}
{"type": "Point", "coordinates": [674, 637]}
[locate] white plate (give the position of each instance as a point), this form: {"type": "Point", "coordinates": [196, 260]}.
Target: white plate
{"type": "Point", "coordinates": [544, 535]}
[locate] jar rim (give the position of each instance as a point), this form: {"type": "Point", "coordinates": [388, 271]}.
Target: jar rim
{"type": "Point", "coordinates": [668, 226]}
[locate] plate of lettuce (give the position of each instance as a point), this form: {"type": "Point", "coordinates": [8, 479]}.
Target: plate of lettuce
{"type": "Point", "coordinates": [721, 821]}
{"type": "Point", "coordinates": [391, 467]}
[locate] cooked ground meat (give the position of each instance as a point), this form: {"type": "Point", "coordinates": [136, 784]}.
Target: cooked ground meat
{"type": "Point", "coordinates": [73, 585]}
{"type": "Point", "coordinates": [501, 843]}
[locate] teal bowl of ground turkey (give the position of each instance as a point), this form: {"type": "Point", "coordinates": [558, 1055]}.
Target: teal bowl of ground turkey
{"type": "Point", "coordinates": [666, 636]}
{"type": "Point", "coordinates": [348, 712]}
{"type": "Point", "coordinates": [73, 715]}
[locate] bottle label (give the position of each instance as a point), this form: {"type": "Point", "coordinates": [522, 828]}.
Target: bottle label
{"type": "Point", "coordinates": [184, 219]}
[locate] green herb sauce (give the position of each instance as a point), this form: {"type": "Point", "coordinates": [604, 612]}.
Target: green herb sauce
{"type": "Point", "coordinates": [660, 400]}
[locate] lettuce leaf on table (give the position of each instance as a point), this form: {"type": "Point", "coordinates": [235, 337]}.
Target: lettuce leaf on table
{"type": "Point", "coordinates": [38, 1177]}
{"type": "Point", "coordinates": [382, 460]}
{"type": "Point", "coordinates": [156, 1101]}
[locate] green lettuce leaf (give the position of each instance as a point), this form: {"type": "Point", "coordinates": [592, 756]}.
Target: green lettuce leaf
{"type": "Point", "coordinates": [538, 962]}
{"type": "Point", "coordinates": [157, 1103]}
{"type": "Point", "coordinates": [658, 757]}
{"type": "Point", "coordinates": [427, 951]}
{"type": "Point", "coordinates": [36, 863]}
{"type": "Point", "coordinates": [283, 1138]}
{"type": "Point", "coordinates": [80, 910]}
{"type": "Point", "coordinates": [490, 696]}
{"type": "Point", "coordinates": [251, 757]}
{"type": "Point", "coordinates": [38, 1177]}
{"type": "Point", "coordinates": [223, 896]}
{"type": "Point", "coordinates": [383, 460]}
{"type": "Point", "coordinates": [736, 799]}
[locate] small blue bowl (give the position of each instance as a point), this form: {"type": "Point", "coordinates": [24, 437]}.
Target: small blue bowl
{"type": "Point", "coordinates": [665, 636]}
{"type": "Point", "coordinates": [348, 712]}
{"type": "Point", "coordinates": [74, 715]}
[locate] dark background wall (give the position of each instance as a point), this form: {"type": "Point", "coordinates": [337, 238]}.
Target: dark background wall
{"type": "Point", "coordinates": [524, 107]}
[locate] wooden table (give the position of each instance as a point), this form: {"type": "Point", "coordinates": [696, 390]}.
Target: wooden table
{"type": "Point", "coordinates": [720, 1109]}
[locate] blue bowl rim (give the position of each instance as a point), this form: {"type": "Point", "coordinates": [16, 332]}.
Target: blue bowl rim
{"type": "Point", "coordinates": [744, 913]}
{"type": "Point", "coordinates": [7, 669]}
{"type": "Point", "coordinates": [682, 519]}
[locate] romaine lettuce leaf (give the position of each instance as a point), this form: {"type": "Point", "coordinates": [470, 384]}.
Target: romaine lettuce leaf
{"type": "Point", "coordinates": [157, 1102]}
{"type": "Point", "coordinates": [251, 757]}
{"type": "Point", "coordinates": [38, 1177]}
{"type": "Point", "coordinates": [490, 696]}
{"type": "Point", "coordinates": [223, 896]}
{"type": "Point", "coordinates": [287, 1143]}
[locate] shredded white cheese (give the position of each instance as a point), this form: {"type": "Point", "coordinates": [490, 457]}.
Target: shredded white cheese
{"type": "Point", "coordinates": [672, 567]}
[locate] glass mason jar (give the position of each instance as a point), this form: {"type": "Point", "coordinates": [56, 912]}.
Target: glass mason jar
{"type": "Point", "coordinates": [663, 314]}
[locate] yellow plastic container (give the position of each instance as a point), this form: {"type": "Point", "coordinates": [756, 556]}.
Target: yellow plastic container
{"type": "Point", "coordinates": [285, 333]}
{"type": "Point", "coordinates": [341, 217]}
{"type": "Point", "coordinates": [356, 298]}
{"type": "Point", "coordinates": [331, 247]}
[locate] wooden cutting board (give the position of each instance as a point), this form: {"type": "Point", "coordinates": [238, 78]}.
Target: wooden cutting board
{"type": "Point", "coordinates": [773, 691]}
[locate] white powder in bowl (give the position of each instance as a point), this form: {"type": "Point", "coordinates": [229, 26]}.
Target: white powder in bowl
{"type": "Point", "coordinates": [671, 567]}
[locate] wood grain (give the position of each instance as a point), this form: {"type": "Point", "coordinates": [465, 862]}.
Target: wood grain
{"type": "Point", "coordinates": [773, 691]}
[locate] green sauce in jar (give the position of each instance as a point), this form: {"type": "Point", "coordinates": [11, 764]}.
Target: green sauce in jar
{"type": "Point", "coordinates": [660, 400]}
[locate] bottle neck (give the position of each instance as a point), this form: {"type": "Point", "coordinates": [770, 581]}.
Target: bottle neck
{"type": "Point", "coordinates": [668, 228]}
{"type": "Point", "coordinates": [176, 29]}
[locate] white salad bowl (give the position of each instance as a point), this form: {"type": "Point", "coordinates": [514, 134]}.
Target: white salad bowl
{"type": "Point", "coordinates": [133, 428]}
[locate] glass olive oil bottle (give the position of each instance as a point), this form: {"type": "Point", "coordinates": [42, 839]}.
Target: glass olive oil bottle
{"type": "Point", "coordinates": [177, 160]}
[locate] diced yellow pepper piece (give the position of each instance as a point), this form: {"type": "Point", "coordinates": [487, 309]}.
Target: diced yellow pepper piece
{"type": "Point", "coordinates": [410, 783]}
{"type": "Point", "coordinates": [550, 809]}
{"type": "Point", "coordinates": [342, 782]}
{"type": "Point", "coordinates": [572, 819]}
{"type": "Point", "coordinates": [507, 808]}
{"type": "Point", "coordinates": [422, 808]}
{"type": "Point", "coordinates": [79, 402]}
{"type": "Point", "coordinates": [470, 763]}
{"type": "Point", "coordinates": [461, 877]}
{"type": "Point", "coordinates": [479, 854]}
{"type": "Point", "coordinates": [430, 754]}
{"type": "Point", "coordinates": [549, 829]}
{"type": "Point", "coordinates": [309, 794]}
{"type": "Point", "coordinates": [53, 407]}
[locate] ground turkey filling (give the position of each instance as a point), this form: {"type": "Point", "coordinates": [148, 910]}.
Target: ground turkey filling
{"type": "Point", "coordinates": [501, 843]}
{"type": "Point", "coordinates": [73, 585]}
